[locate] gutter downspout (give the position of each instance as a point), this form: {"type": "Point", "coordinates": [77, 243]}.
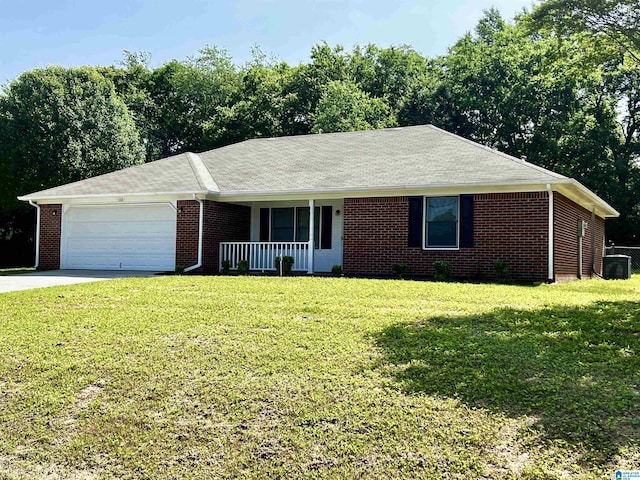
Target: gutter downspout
{"type": "Point", "coordinates": [200, 228]}
{"type": "Point", "coordinates": [550, 275]}
{"type": "Point", "coordinates": [37, 232]}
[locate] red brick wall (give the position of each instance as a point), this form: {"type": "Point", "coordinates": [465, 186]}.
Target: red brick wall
{"type": "Point", "coordinates": [187, 233]}
{"type": "Point", "coordinates": [512, 227]}
{"type": "Point", "coordinates": [50, 231]}
{"type": "Point", "coordinates": [223, 222]}
{"type": "Point", "coordinates": [566, 215]}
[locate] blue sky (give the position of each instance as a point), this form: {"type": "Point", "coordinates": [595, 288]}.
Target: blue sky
{"type": "Point", "coordinates": [37, 33]}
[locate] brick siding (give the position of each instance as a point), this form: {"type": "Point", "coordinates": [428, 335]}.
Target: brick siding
{"type": "Point", "coordinates": [567, 214]}
{"type": "Point", "coordinates": [512, 227]}
{"type": "Point", "coordinates": [50, 231]}
{"type": "Point", "coordinates": [223, 222]}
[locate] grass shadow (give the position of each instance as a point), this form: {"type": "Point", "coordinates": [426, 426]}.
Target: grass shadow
{"type": "Point", "coordinates": [577, 370]}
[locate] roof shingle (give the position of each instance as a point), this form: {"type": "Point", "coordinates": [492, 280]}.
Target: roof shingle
{"type": "Point", "coordinates": [420, 156]}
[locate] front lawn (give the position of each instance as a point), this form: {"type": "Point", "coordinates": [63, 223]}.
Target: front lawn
{"type": "Point", "coordinates": [247, 377]}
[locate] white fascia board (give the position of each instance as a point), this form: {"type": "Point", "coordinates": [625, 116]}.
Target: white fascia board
{"type": "Point", "coordinates": [409, 190]}
{"type": "Point", "coordinates": [584, 197]}
{"type": "Point", "coordinates": [116, 198]}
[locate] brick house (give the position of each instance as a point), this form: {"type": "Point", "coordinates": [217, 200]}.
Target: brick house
{"type": "Point", "coordinates": [363, 200]}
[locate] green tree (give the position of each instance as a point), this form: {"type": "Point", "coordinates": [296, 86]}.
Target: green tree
{"type": "Point", "coordinates": [617, 20]}
{"type": "Point", "coordinates": [264, 107]}
{"type": "Point", "coordinates": [344, 108]}
{"type": "Point", "coordinates": [188, 96]}
{"type": "Point", "coordinates": [57, 126]}
{"type": "Point", "coordinates": [387, 73]}
{"type": "Point", "coordinates": [61, 125]}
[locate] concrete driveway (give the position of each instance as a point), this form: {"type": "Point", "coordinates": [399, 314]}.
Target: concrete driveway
{"type": "Point", "coordinates": [27, 281]}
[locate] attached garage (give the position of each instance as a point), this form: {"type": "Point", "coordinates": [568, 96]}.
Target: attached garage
{"type": "Point", "coordinates": [119, 237]}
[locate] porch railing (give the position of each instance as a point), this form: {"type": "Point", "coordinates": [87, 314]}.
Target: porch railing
{"type": "Point", "coordinates": [262, 255]}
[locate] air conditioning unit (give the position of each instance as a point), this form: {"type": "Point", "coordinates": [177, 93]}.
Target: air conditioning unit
{"type": "Point", "coordinates": [616, 267]}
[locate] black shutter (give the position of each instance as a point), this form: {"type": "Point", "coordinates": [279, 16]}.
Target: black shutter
{"type": "Point", "coordinates": [327, 218]}
{"type": "Point", "coordinates": [466, 221]}
{"type": "Point", "coordinates": [416, 225]}
{"type": "Point", "coordinates": [264, 224]}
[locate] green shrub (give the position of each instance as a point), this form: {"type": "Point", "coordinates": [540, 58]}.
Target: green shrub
{"type": "Point", "coordinates": [226, 267]}
{"type": "Point", "coordinates": [287, 265]}
{"type": "Point", "coordinates": [179, 269]}
{"type": "Point", "coordinates": [501, 269]}
{"type": "Point", "coordinates": [443, 269]}
{"type": "Point", "coordinates": [398, 269]}
{"type": "Point", "coordinates": [243, 267]}
{"type": "Point", "coordinates": [336, 270]}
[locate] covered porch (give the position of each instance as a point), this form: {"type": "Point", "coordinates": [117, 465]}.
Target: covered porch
{"type": "Point", "coordinates": [308, 231]}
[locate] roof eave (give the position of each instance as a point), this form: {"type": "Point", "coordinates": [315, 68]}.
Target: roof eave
{"type": "Point", "coordinates": [395, 190]}
{"type": "Point", "coordinates": [580, 194]}
{"type": "Point", "coordinates": [56, 198]}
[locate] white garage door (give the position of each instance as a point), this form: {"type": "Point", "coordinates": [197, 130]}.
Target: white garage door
{"type": "Point", "coordinates": [136, 237]}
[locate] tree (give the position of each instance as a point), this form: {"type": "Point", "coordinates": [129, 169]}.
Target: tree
{"type": "Point", "coordinates": [617, 20]}
{"type": "Point", "coordinates": [62, 125]}
{"type": "Point", "coordinates": [188, 96]}
{"type": "Point", "coordinates": [263, 108]}
{"type": "Point", "coordinates": [57, 126]}
{"type": "Point", "coordinates": [344, 108]}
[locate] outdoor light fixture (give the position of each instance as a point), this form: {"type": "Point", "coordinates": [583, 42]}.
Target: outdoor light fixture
{"type": "Point", "coordinates": [337, 212]}
{"type": "Point", "coordinates": [55, 212]}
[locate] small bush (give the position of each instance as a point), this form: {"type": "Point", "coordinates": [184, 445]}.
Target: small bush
{"type": "Point", "coordinates": [398, 269]}
{"type": "Point", "coordinates": [336, 270]}
{"type": "Point", "coordinates": [501, 269]}
{"type": "Point", "coordinates": [226, 267]}
{"type": "Point", "coordinates": [287, 265]}
{"type": "Point", "coordinates": [443, 270]}
{"type": "Point", "coordinates": [179, 269]}
{"type": "Point", "coordinates": [243, 267]}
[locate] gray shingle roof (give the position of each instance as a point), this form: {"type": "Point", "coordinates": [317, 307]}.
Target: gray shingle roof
{"type": "Point", "coordinates": [396, 157]}
{"type": "Point", "coordinates": [420, 156]}
{"type": "Point", "coordinates": [170, 175]}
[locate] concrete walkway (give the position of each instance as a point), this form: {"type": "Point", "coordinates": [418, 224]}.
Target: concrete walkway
{"type": "Point", "coordinates": [27, 281]}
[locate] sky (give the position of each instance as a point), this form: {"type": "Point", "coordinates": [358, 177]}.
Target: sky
{"type": "Point", "coordinates": [38, 33]}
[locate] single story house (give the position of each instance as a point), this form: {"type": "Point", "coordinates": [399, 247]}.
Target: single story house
{"type": "Point", "coordinates": [363, 200]}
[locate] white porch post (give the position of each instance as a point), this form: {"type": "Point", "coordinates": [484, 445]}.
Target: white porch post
{"type": "Point", "coordinates": [312, 212]}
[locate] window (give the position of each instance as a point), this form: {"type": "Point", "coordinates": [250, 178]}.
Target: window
{"type": "Point", "coordinates": [282, 224]}
{"type": "Point", "coordinates": [292, 224]}
{"type": "Point", "coordinates": [302, 225]}
{"type": "Point", "coordinates": [442, 222]}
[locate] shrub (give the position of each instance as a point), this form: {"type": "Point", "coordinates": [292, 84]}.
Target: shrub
{"type": "Point", "coordinates": [243, 267]}
{"type": "Point", "coordinates": [287, 265]}
{"type": "Point", "coordinates": [398, 269]}
{"type": "Point", "coordinates": [180, 269]}
{"type": "Point", "coordinates": [226, 267]}
{"type": "Point", "coordinates": [501, 269]}
{"type": "Point", "coordinates": [336, 270]}
{"type": "Point", "coordinates": [443, 269]}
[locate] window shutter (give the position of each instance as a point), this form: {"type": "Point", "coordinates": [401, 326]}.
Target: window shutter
{"type": "Point", "coordinates": [416, 226]}
{"type": "Point", "coordinates": [264, 224]}
{"type": "Point", "coordinates": [466, 221]}
{"type": "Point", "coordinates": [327, 218]}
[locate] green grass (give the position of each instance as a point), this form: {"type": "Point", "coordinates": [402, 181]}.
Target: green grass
{"type": "Point", "coordinates": [246, 377]}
